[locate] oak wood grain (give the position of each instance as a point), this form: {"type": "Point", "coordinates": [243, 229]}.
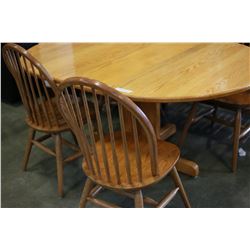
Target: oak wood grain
{"type": "Point", "coordinates": [154, 72]}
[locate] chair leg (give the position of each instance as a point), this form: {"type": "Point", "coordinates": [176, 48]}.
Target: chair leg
{"type": "Point", "coordinates": [29, 144]}
{"type": "Point", "coordinates": [89, 184]}
{"type": "Point", "coordinates": [59, 163]}
{"type": "Point", "coordinates": [176, 178]}
{"type": "Point", "coordinates": [188, 123]}
{"type": "Point", "coordinates": [138, 199]}
{"type": "Point", "coordinates": [236, 139]}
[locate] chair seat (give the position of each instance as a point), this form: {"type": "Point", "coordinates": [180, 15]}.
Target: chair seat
{"type": "Point", "coordinates": [242, 99]}
{"type": "Point", "coordinates": [168, 155]}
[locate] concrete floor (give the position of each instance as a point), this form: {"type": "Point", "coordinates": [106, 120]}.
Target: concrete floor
{"type": "Point", "coordinates": [216, 186]}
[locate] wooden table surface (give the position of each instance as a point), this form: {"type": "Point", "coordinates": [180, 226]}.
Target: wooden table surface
{"type": "Point", "coordinates": [153, 72]}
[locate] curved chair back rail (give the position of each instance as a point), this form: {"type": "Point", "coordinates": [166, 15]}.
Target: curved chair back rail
{"type": "Point", "coordinates": [33, 81]}
{"type": "Point", "coordinates": [108, 153]}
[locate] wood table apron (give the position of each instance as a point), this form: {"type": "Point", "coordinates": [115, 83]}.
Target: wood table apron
{"type": "Point", "coordinates": [154, 73]}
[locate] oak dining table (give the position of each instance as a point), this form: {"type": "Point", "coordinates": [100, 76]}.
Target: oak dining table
{"type": "Point", "coordinates": [154, 73]}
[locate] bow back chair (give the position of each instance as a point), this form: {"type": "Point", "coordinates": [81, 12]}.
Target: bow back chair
{"type": "Point", "coordinates": [239, 104]}
{"type": "Point", "coordinates": [37, 90]}
{"type": "Point", "coordinates": [125, 159]}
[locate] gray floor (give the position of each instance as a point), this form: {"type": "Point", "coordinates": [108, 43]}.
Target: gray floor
{"type": "Point", "coordinates": [216, 186]}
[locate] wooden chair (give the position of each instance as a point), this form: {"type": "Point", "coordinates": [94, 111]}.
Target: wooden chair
{"type": "Point", "coordinates": [239, 104]}
{"type": "Point", "coordinates": [124, 160]}
{"type": "Point", "coordinates": [37, 88]}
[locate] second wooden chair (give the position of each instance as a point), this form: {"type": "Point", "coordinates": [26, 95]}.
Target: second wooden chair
{"type": "Point", "coordinates": [37, 90]}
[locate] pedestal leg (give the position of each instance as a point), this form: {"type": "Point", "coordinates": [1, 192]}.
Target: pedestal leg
{"type": "Point", "coordinates": [187, 167]}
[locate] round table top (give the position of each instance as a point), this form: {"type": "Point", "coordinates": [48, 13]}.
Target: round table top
{"type": "Point", "coordinates": [153, 72]}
